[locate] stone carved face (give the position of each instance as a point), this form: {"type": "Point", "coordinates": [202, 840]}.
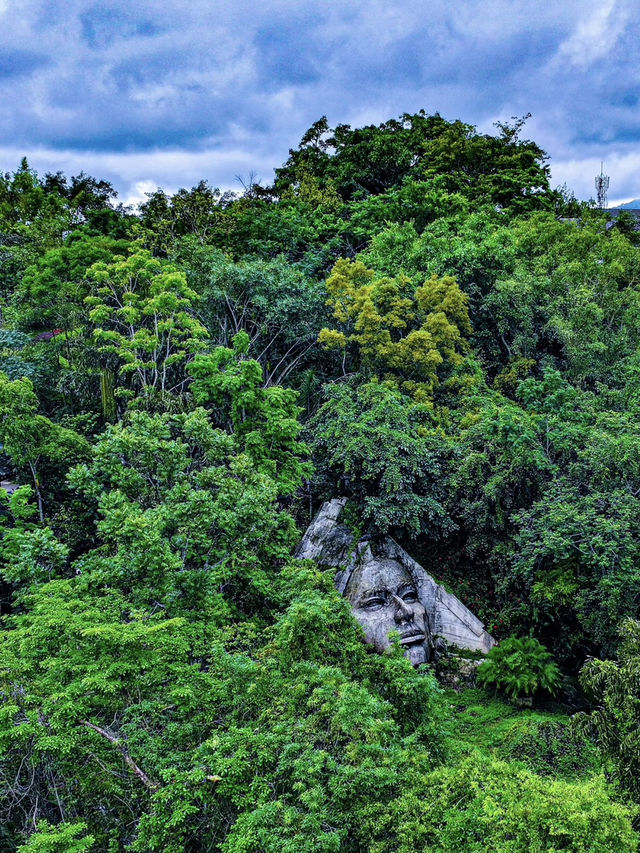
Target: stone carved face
{"type": "Point", "coordinates": [384, 598]}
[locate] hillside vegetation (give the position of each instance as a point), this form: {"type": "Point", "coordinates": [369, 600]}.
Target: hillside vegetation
{"type": "Point", "coordinates": [410, 317]}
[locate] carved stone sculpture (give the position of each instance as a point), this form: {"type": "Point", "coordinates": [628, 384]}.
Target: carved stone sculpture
{"type": "Point", "coordinates": [389, 592]}
{"type": "Point", "coordinates": [384, 599]}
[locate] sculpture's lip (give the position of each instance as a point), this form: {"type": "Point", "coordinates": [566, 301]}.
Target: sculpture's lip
{"type": "Point", "coordinates": [416, 637]}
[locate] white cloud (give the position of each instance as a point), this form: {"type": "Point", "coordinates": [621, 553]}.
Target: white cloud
{"type": "Point", "coordinates": [596, 34]}
{"type": "Point", "coordinates": [138, 193]}
{"type": "Point", "coordinates": [623, 170]}
{"type": "Point", "coordinates": [134, 174]}
{"type": "Point", "coordinates": [204, 90]}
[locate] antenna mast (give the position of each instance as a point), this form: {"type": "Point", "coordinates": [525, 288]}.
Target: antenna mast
{"type": "Point", "coordinates": [602, 185]}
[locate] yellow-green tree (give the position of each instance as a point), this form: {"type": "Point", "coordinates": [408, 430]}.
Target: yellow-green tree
{"type": "Point", "coordinates": [409, 337]}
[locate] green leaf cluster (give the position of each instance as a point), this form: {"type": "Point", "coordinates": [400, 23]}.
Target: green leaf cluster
{"type": "Point", "coordinates": [520, 667]}
{"type": "Point", "coordinates": [408, 337]}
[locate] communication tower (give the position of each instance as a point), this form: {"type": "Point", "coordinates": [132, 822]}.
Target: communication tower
{"type": "Point", "coordinates": [602, 185]}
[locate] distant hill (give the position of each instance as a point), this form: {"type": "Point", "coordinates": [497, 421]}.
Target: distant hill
{"type": "Point", "coordinates": [631, 208]}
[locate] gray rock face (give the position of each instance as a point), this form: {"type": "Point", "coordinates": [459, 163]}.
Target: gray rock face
{"type": "Point", "coordinates": [389, 591]}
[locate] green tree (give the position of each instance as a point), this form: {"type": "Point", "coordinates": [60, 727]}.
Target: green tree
{"type": "Point", "coordinates": [52, 291]}
{"type": "Point", "coordinates": [184, 515]}
{"type": "Point", "coordinates": [188, 666]}
{"type": "Point", "coordinates": [32, 441]}
{"type": "Point", "coordinates": [142, 312]}
{"type": "Point", "coordinates": [382, 451]}
{"type": "Point", "coordinates": [263, 421]}
{"type": "Point", "coordinates": [30, 552]}
{"type": "Point", "coordinates": [613, 686]}
{"type": "Point", "coordinates": [503, 169]}
{"type": "Point", "coordinates": [409, 336]}
{"type": "Point", "coordinates": [279, 308]}
{"type": "Point", "coordinates": [199, 212]}
{"type": "Point", "coordinates": [572, 298]}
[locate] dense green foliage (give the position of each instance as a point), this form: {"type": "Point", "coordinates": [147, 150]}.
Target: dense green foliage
{"type": "Point", "coordinates": [520, 667]}
{"type": "Point", "coordinates": [410, 317]}
{"type": "Point", "coordinates": [551, 748]}
{"type": "Point", "coordinates": [615, 723]}
{"type": "Point", "coordinates": [484, 805]}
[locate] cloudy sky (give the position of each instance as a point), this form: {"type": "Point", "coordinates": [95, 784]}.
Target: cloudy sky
{"type": "Point", "coordinates": [151, 93]}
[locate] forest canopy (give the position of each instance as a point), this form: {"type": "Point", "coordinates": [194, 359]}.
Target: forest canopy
{"type": "Point", "coordinates": [410, 317]}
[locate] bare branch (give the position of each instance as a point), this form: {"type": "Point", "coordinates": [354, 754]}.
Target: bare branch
{"type": "Point", "coordinates": [152, 786]}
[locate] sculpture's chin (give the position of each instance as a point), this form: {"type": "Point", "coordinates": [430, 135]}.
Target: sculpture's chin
{"type": "Point", "coordinates": [417, 653]}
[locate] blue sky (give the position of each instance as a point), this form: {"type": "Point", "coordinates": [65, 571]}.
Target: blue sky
{"type": "Point", "coordinates": [151, 93]}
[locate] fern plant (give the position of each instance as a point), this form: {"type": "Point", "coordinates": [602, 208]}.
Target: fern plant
{"type": "Point", "coordinates": [519, 667]}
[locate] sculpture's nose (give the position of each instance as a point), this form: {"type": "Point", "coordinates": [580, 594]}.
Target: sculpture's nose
{"type": "Point", "coordinates": [403, 613]}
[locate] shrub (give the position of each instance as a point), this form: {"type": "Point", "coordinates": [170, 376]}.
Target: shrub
{"type": "Point", "coordinates": [481, 805]}
{"type": "Point", "coordinates": [519, 667]}
{"type": "Point", "coordinates": [550, 747]}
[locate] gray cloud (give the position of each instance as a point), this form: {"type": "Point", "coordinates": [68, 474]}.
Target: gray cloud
{"type": "Point", "coordinates": [104, 25]}
{"type": "Point", "coordinates": [165, 86]}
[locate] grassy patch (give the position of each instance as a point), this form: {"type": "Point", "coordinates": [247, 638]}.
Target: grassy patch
{"type": "Point", "coordinates": [543, 741]}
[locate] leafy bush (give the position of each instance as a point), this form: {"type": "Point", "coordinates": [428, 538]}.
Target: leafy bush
{"type": "Point", "coordinates": [614, 687]}
{"type": "Point", "coordinates": [519, 666]}
{"type": "Point", "coordinates": [64, 838]}
{"type": "Point", "coordinates": [482, 805]}
{"type": "Point", "coordinates": [550, 747]}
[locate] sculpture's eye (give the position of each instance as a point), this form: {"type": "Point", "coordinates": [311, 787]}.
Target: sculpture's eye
{"type": "Point", "coordinates": [410, 595]}
{"type": "Point", "coordinates": [374, 603]}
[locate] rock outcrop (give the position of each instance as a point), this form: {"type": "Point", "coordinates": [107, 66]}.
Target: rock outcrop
{"type": "Point", "coordinates": [330, 543]}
